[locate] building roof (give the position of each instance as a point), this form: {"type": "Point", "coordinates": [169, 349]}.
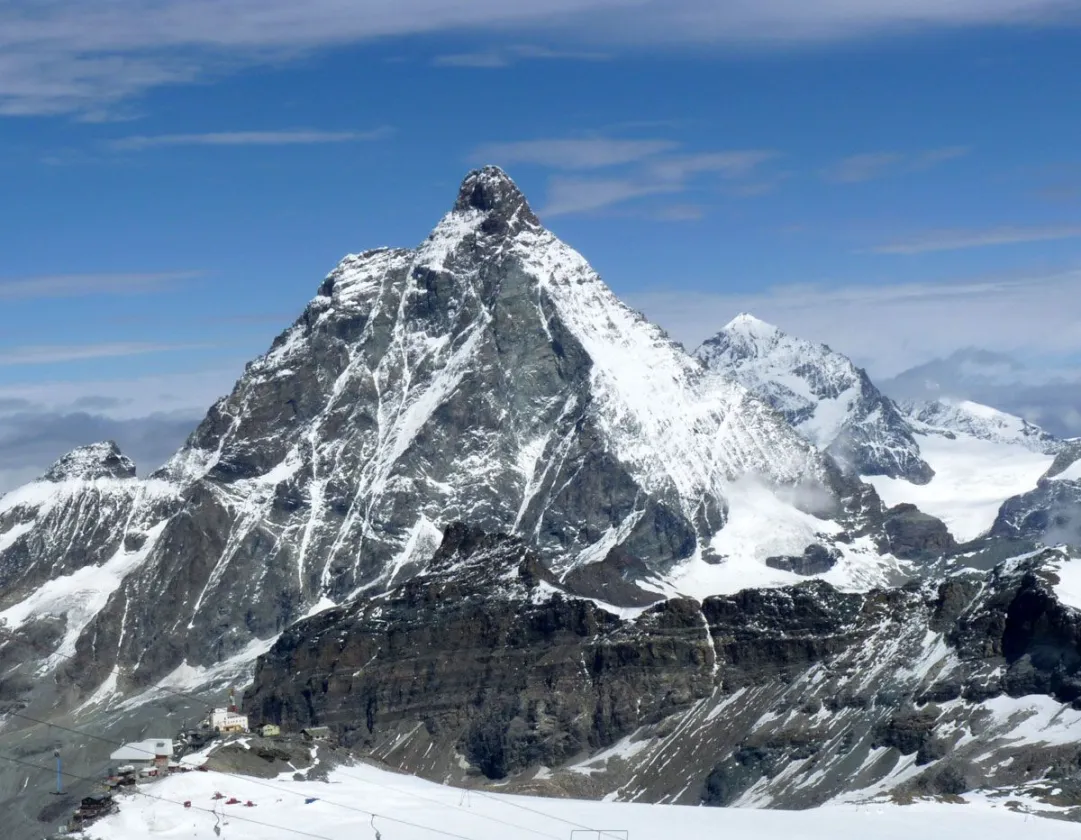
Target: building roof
{"type": "Point", "coordinates": [144, 750]}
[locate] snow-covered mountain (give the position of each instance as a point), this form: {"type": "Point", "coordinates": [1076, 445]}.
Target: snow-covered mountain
{"type": "Point", "coordinates": [821, 393]}
{"type": "Point", "coordinates": [982, 458]}
{"type": "Point", "coordinates": [964, 417]}
{"type": "Point", "coordinates": [957, 460]}
{"type": "Point", "coordinates": [472, 448]}
{"type": "Point", "coordinates": [1049, 398]}
{"type": "Point", "coordinates": [489, 376]}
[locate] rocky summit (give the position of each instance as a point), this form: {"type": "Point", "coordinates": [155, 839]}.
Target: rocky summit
{"type": "Point", "coordinates": [486, 522]}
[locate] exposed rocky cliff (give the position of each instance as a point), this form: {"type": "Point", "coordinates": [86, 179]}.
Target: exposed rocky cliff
{"type": "Point", "coordinates": [1051, 512]}
{"type": "Point", "coordinates": [484, 665]}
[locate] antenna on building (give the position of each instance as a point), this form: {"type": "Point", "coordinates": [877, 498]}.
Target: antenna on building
{"type": "Point", "coordinates": [232, 700]}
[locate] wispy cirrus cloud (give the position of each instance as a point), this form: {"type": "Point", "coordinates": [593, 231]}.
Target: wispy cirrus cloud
{"type": "Point", "coordinates": [86, 285]}
{"type": "Point", "coordinates": [671, 174]}
{"type": "Point", "coordinates": [869, 166]}
{"type": "Point", "coordinates": [301, 137]}
{"type": "Point", "coordinates": [505, 56]}
{"type": "Point", "coordinates": [45, 354]}
{"type": "Point", "coordinates": [83, 57]}
{"type": "Point", "coordinates": [890, 328]}
{"type": "Point", "coordinates": [584, 195]}
{"type": "Point", "coordinates": [646, 167]}
{"type": "Point", "coordinates": [960, 240]}
{"type": "Point", "coordinates": [571, 153]}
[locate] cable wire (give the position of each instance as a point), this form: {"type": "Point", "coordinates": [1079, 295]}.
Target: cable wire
{"type": "Point", "coordinates": [277, 789]}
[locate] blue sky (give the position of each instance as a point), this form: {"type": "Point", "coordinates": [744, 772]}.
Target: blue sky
{"type": "Point", "coordinates": [899, 181]}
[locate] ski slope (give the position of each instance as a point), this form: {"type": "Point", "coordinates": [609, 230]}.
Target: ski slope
{"type": "Point", "coordinates": [411, 809]}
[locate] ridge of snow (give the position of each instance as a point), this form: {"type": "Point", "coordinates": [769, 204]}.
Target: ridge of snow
{"type": "Point", "coordinates": [981, 458]}
{"type": "Point", "coordinates": [658, 410]}
{"type": "Point", "coordinates": [976, 420]}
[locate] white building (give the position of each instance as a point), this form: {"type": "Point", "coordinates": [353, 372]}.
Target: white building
{"type": "Point", "coordinates": [228, 720]}
{"type": "Point", "coordinates": [153, 752]}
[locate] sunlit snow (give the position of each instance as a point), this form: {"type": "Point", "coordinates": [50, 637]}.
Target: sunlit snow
{"type": "Point", "coordinates": [406, 808]}
{"type": "Point", "coordinates": [973, 478]}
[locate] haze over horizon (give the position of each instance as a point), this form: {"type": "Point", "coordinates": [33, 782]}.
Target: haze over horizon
{"type": "Point", "coordinates": [900, 182]}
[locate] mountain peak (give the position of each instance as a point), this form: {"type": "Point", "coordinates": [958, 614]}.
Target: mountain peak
{"type": "Point", "coordinates": [491, 190]}
{"type": "Point", "coordinates": [98, 460]}
{"type": "Point", "coordinates": [829, 400]}
{"type": "Point", "coordinates": [747, 324]}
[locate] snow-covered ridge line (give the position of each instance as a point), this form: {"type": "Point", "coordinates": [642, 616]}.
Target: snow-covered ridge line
{"type": "Point", "coordinates": [829, 400]}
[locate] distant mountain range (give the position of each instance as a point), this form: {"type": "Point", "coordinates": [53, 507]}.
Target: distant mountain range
{"type": "Point", "coordinates": [994, 379]}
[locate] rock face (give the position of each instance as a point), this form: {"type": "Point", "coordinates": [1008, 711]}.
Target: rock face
{"type": "Point", "coordinates": [487, 376]}
{"type": "Point", "coordinates": [913, 535]}
{"type": "Point", "coordinates": [785, 697]}
{"type": "Point", "coordinates": [815, 560]}
{"type": "Point", "coordinates": [1051, 513]}
{"type": "Point", "coordinates": [822, 394]}
{"type": "Point", "coordinates": [486, 650]}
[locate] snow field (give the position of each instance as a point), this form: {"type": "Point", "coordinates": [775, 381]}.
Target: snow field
{"type": "Point", "coordinates": [412, 809]}
{"type": "Point", "coordinates": [973, 478]}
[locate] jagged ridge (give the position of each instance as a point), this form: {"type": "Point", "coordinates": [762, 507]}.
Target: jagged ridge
{"type": "Point", "coordinates": [822, 394]}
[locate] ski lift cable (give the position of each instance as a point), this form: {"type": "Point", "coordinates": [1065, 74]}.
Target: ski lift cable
{"type": "Point", "coordinates": [248, 819]}
{"type": "Point", "coordinates": [173, 801]}
{"type": "Point", "coordinates": [200, 700]}
{"type": "Point", "coordinates": [506, 802]}
{"type": "Point", "coordinates": [261, 783]}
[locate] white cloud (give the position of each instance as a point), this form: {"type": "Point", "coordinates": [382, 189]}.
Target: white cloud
{"type": "Point", "coordinates": [124, 399]}
{"type": "Point", "coordinates": [505, 56]}
{"type": "Point", "coordinates": [863, 167]}
{"type": "Point", "coordinates": [148, 416]}
{"type": "Point", "coordinates": [650, 168]}
{"type": "Point", "coordinates": [44, 354]}
{"type": "Point", "coordinates": [251, 138]}
{"type": "Point", "coordinates": [584, 195]}
{"type": "Point", "coordinates": [585, 153]}
{"type": "Point", "coordinates": [958, 240]}
{"type": "Point", "coordinates": [83, 285]}
{"type": "Point", "coordinates": [734, 164]}
{"type": "Point", "coordinates": [79, 56]}
{"type": "Point", "coordinates": [892, 328]}
{"type": "Point", "coordinates": [869, 166]}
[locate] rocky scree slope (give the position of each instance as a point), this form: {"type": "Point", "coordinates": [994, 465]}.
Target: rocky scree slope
{"type": "Point", "coordinates": [822, 394]}
{"type": "Point", "coordinates": [482, 667]}
{"type": "Point", "coordinates": [488, 375]}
